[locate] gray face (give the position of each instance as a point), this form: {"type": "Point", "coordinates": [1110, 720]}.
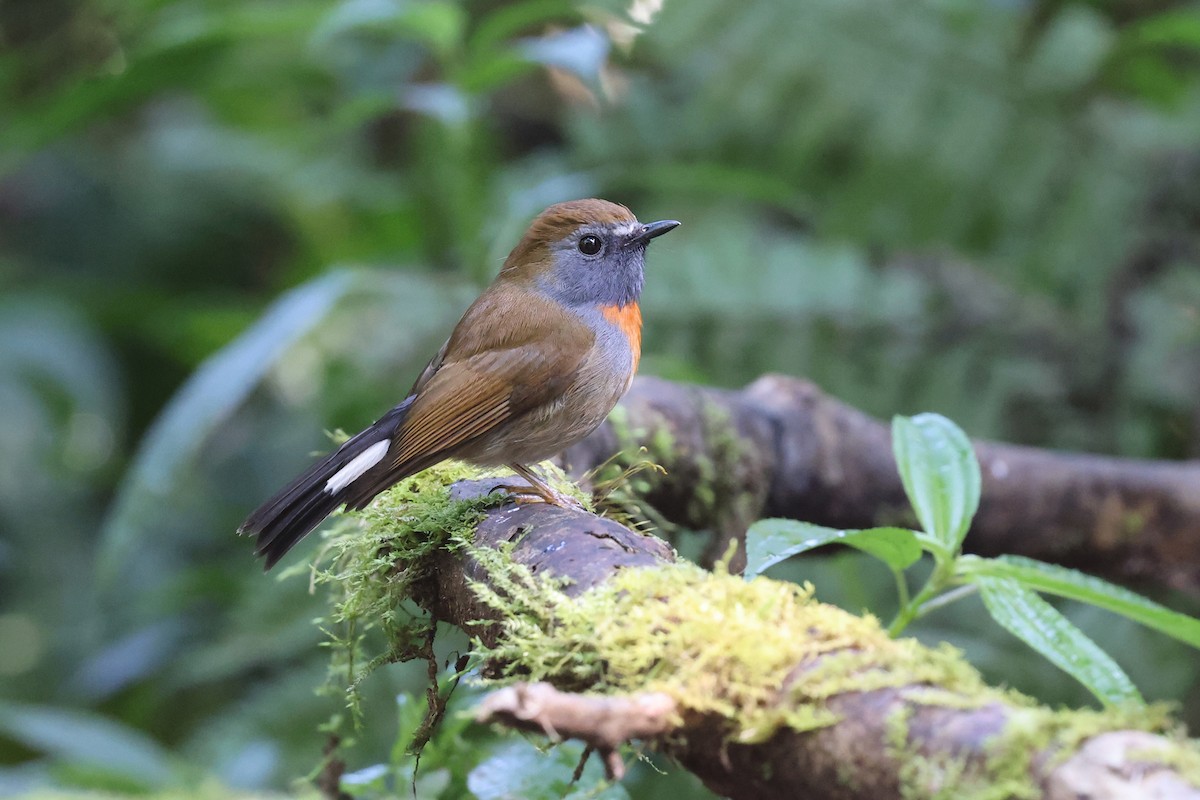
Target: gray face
{"type": "Point", "coordinates": [608, 276]}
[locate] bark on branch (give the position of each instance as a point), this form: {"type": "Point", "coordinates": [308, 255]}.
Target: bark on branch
{"type": "Point", "coordinates": [759, 690]}
{"type": "Point", "coordinates": [603, 723]}
{"type": "Point", "coordinates": [780, 447]}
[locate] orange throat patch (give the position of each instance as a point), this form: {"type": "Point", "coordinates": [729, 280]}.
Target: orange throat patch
{"type": "Point", "coordinates": [628, 320]}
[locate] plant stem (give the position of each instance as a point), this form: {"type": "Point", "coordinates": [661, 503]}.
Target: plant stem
{"type": "Point", "coordinates": [901, 587]}
{"type": "Point", "coordinates": [939, 579]}
{"type": "Point", "coordinates": [946, 598]}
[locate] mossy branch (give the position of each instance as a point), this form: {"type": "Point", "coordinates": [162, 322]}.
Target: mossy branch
{"type": "Point", "coordinates": [756, 687]}
{"type": "Point", "coordinates": [782, 448]}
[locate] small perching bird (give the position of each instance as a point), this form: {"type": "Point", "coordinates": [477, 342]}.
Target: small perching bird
{"type": "Point", "coordinates": [534, 365]}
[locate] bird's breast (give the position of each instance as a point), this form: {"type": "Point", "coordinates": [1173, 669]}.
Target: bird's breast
{"type": "Point", "coordinates": [586, 396]}
{"type": "Point", "coordinates": [628, 320]}
{"type": "Point", "coordinates": [608, 371]}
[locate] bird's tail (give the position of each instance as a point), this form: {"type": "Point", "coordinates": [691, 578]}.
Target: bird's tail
{"type": "Point", "coordinates": [295, 510]}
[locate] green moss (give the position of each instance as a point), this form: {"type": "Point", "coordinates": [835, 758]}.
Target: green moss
{"type": "Point", "coordinates": [1036, 731]}
{"type": "Point", "coordinates": [703, 499]}
{"type": "Point", "coordinates": [1176, 755]}
{"type": "Point", "coordinates": [715, 643]}
{"type": "Point", "coordinates": [724, 497]}
{"type": "Point", "coordinates": [632, 473]}
{"type": "Point", "coordinates": [729, 647]}
{"type": "Point", "coordinates": [618, 419]}
{"type": "Point", "coordinates": [1065, 730]}
{"type": "Point", "coordinates": [723, 646]}
{"type": "Point", "coordinates": [374, 556]}
{"type": "Point", "coordinates": [662, 443]}
{"type": "Point", "coordinates": [950, 776]}
{"type": "Point", "coordinates": [626, 466]}
{"type": "Point", "coordinates": [370, 561]}
{"type": "Point", "coordinates": [1030, 732]}
{"type": "Point", "coordinates": [715, 491]}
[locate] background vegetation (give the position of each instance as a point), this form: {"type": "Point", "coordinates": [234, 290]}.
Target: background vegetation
{"type": "Point", "coordinates": [226, 226]}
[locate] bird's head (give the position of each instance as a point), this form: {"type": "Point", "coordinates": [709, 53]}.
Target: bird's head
{"type": "Point", "coordinates": [585, 252]}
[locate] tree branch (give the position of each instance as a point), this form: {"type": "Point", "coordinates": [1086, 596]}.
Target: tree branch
{"type": "Point", "coordinates": [603, 723]}
{"type": "Point", "coordinates": [758, 689]}
{"type": "Point", "coordinates": [781, 447]}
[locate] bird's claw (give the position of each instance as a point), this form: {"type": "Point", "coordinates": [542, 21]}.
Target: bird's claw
{"type": "Point", "coordinates": [522, 494]}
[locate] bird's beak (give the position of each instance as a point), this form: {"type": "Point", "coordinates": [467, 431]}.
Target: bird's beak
{"type": "Point", "coordinates": [652, 229]}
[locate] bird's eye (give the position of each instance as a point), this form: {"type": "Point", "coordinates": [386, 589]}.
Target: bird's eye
{"type": "Point", "coordinates": [590, 245]}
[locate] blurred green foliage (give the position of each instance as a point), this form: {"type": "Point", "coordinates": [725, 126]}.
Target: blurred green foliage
{"type": "Point", "coordinates": [942, 480]}
{"type": "Point", "coordinates": [225, 226]}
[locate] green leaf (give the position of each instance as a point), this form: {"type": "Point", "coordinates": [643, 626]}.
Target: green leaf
{"type": "Point", "coordinates": [520, 772]}
{"type": "Point", "coordinates": [1037, 623]}
{"type": "Point", "coordinates": [83, 739]}
{"type": "Point", "coordinates": [940, 474]}
{"type": "Point", "coordinates": [1075, 585]}
{"type": "Point", "coordinates": [770, 541]}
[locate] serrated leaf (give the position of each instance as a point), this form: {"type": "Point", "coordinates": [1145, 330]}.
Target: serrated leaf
{"type": "Point", "coordinates": [1074, 585]}
{"type": "Point", "coordinates": [1021, 612]}
{"type": "Point", "coordinates": [940, 474]}
{"type": "Point", "coordinates": [770, 541]}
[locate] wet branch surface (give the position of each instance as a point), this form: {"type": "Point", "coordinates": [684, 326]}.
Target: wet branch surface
{"type": "Point", "coordinates": [782, 448]}
{"type": "Point", "coordinates": [943, 743]}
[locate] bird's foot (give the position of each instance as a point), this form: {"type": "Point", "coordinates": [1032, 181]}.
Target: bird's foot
{"type": "Point", "coordinates": [538, 491]}
{"type": "Point", "coordinates": [522, 494]}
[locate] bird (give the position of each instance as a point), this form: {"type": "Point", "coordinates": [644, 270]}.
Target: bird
{"type": "Point", "coordinates": [535, 364]}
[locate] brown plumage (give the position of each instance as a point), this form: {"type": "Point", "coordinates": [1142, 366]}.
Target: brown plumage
{"type": "Point", "coordinates": [534, 365]}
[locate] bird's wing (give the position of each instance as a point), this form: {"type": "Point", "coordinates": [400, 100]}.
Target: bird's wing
{"type": "Point", "coordinates": [466, 399]}
{"type": "Point", "coordinates": [430, 369]}
{"type": "Point", "coordinates": [509, 355]}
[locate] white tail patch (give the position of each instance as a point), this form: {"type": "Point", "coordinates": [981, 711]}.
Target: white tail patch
{"type": "Point", "coordinates": [357, 466]}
